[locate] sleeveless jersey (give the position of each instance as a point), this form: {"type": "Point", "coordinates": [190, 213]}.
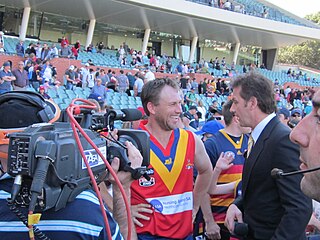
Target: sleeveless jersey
{"type": "Point", "coordinates": [169, 189]}
{"type": "Point", "coordinates": [224, 143]}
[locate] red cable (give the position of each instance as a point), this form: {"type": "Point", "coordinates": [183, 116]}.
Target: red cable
{"type": "Point", "coordinates": [75, 125]}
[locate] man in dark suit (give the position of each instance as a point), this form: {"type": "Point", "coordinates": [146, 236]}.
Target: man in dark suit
{"type": "Point", "coordinates": [272, 208]}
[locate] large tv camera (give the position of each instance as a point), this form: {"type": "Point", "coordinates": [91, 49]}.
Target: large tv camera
{"type": "Point", "coordinates": [45, 159]}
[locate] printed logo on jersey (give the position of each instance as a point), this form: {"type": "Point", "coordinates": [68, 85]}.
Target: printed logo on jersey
{"type": "Point", "coordinates": [150, 171]}
{"type": "Point", "coordinates": [240, 153]}
{"type": "Point", "coordinates": [157, 205]}
{"type": "Point", "coordinates": [93, 158]}
{"type": "Point", "coordinates": [189, 165]}
{"type": "Point", "coordinates": [168, 161]}
{"type": "Point", "coordinates": [145, 183]}
{"type": "Point", "coordinates": [230, 153]}
{"type": "Point", "coordinates": [172, 204]}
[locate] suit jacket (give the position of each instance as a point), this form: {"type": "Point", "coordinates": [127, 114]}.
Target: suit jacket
{"type": "Point", "coordinates": [274, 208]}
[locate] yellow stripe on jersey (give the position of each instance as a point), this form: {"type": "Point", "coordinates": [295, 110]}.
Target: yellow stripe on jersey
{"type": "Point", "coordinates": [226, 178]}
{"type": "Point", "coordinates": [170, 178]}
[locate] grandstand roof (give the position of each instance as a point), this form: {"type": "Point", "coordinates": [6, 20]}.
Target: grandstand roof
{"type": "Point", "coordinates": [178, 17]}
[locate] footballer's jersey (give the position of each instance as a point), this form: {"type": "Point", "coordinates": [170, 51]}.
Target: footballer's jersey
{"type": "Point", "coordinates": [169, 189]}
{"type": "Point", "coordinates": [222, 142]}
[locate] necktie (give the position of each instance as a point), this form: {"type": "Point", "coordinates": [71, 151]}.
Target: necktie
{"type": "Point", "coordinates": [250, 145]}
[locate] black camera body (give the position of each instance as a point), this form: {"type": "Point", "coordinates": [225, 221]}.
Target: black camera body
{"type": "Point", "coordinates": [67, 174]}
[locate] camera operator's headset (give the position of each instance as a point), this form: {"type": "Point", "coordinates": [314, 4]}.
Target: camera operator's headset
{"type": "Point", "coordinates": [45, 112]}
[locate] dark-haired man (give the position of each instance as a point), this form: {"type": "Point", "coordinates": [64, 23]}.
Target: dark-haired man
{"type": "Point", "coordinates": [272, 208]}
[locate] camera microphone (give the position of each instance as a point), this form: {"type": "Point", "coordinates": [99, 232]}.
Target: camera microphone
{"type": "Point", "coordinates": [124, 114]}
{"type": "Point", "coordinates": [277, 173]}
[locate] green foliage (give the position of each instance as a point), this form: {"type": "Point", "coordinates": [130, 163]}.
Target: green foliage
{"type": "Point", "coordinates": [306, 54]}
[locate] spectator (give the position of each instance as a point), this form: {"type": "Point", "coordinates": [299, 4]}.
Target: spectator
{"type": "Point", "coordinates": [100, 91]}
{"type": "Point", "coordinates": [100, 47]}
{"type": "Point", "coordinates": [90, 79]}
{"type": "Point", "coordinates": [64, 41]}
{"type": "Point", "coordinates": [2, 38]}
{"type": "Point", "coordinates": [6, 77]}
{"type": "Point", "coordinates": [149, 76]}
{"type": "Point", "coordinates": [283, 115]}
{"type": "Point", "coordinates": [54, 52]}
{"type": "Point", "coordinates": [65, 51]}
{"type": "Point", "coordinates": [20, 49]}
{"type": "Point", "coordinates": [43, 93]}
{"type": "Point", "coordinates": [21, 75]}
{"type": "Point", "coordinates": [45, 52]}
{"type": "Point", "coordinates": [138, 85]}
{"type": "Point", "coordinates": [70, 78]}
{"type": "Point", "coordinates": [123, 82]}
{"type": "Point", "coordinates": [232, 140]}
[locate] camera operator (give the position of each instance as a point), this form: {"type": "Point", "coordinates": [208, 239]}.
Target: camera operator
{"type": "Point", "coordinates": [81, 218]}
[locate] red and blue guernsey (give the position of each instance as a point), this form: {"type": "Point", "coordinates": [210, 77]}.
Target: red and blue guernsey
{"type": "Point", "coordinates": [169, 189]}
{"type": "Point", "coordinates": [222, 142]}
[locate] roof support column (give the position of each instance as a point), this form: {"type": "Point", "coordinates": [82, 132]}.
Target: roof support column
{"type": "Point", "coordinates": [145, 40]}
{"type": "Point", "coordinates": [92, 25]}
{"type": "Point", "coordinates": [24, 23]}
{"type": "Point", "coordinates": [193, 49]}
{"type": "Point", "coordinates": [236, 52]}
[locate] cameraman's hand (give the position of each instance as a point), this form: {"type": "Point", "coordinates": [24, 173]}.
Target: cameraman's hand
{"type": "Point", "coordinates": [135, 159]}
{"type": "Point", "coordinates": [233, 214]}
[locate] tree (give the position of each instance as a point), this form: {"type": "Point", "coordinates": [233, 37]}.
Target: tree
{"type": "Point", "coordinates": [307, 53]}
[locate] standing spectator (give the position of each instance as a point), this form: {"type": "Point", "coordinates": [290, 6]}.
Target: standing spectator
{"type": "Point", "coordinates": [38, 49]}
{"type": "Point", "coordinates": [45, 52]}
{"type": "Point", "coordinates": [90, 79]}
{"type": "Point", "coordinates": [30, 49]}
{"type": "Point", "coordinates": [64, 41]}
{"type": "Point", "coordinates": [131, 80]}
{"type": "Point", "coordinates": [6, 77]}
{"type": "Point", "coordinates": [149, 76]}
{"type": "Point", "coordinates": [74, 52]}
{"type": "Point", "coordinates": [77, 46]}
{"type": "Point", "coordinates": [272, 208]}
{"type": "Point", "coordinates": [84, 75]}
{"type": "Point", "coordinates": [70, 77]}
{"type": "Point", "coordinates": [54, 52]}
{"type": "Point", "coordinates": [104, 77]}
{"type": "Point", "coordinates": [2, 38]}
{"type": "Point", "coordinates": [65, 51]}
{"type": "Point", "coordinates": [138, 84]}
{"type": "Point", "coordinates": [121, 53]}
{"type": "Point", "coordinates": [21, 75]}
{"type": "Point", "coordinates": [123, 82]}
{"type": "Point", "coordinates": [232, 140]}
{"type": "Point", "coordinates": [100, 47]}
{"type": "Point", "coordinates": [20, 49]}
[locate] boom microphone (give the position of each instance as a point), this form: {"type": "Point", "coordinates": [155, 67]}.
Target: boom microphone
{"type": "Point", "coordinates": [126, 115]}
{"type": "Point", "coordinates": [277, 173]}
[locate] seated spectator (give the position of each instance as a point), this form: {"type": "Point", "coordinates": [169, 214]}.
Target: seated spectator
{"type": "Point", "coordinates": [99, 91]}
{"type": "Point", "coordinates": [100, 47]}
{"type": "Point", "coordinates": [43, 93]}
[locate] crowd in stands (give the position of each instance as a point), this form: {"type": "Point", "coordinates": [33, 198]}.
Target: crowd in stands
{"type": "Point", "coordinates": [252, 8]}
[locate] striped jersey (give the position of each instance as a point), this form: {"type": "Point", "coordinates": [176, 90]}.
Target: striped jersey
{"type": "Point", "coordinates": [169, 189]}
{"type": "Point", "coordinates": [222, 142]}
{"type": "Point", "coordinates": [80, 219]}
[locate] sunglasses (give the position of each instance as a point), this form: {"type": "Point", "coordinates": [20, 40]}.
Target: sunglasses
{"type": "Point", "coordinates": [220, 118]}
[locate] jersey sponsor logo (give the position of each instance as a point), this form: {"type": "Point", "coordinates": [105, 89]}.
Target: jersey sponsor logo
{"type": "Point", "coordinates": [172, 204]}
{"type": "Point", "coordinates": [230, 153]}
{"type": "Point", "coordinates": [93, 158]}
{"type": "Point", "coordinates": [145, 183]}
{"type": "Point", "coordinates": [150, 171]}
